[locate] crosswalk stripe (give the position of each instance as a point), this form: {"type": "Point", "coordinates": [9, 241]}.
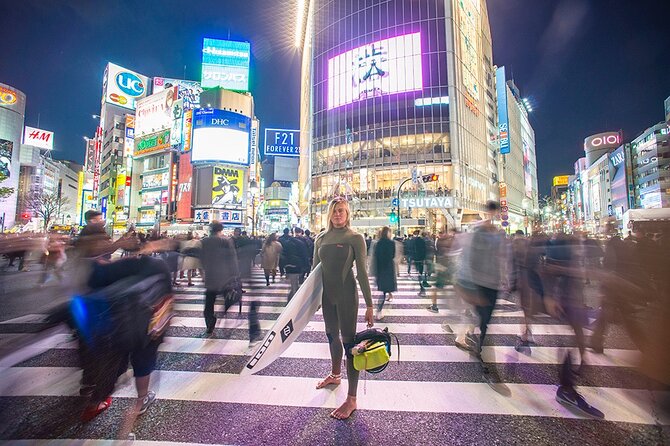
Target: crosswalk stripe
{"type": "Point", "coordinates": [622, 405]}
{"type": "Point", "coordinates": [409, 353]}
{"type": "Point", "coordinates": [546, 329]}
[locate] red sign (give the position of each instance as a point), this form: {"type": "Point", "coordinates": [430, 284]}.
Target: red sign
{"type": "Point", "coordinates": [184, 187]}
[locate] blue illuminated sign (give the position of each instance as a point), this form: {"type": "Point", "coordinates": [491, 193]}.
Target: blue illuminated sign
{"type": "Point", "coordinates": [503, 119]}
{"type": "Point", "coordinates": [282, 142]}
{"type": "Point", "coordinates": [225, 64]}
{"type": "Point", "coordinates": [130, 84]}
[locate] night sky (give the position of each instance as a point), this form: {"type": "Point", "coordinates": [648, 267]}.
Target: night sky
{"type": "Point", "coordinates": [586, 65]}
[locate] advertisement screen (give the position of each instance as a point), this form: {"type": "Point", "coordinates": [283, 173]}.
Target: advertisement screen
{"type": "Point", "coordinates": [286, 169]}
{"type": "Point", "coordinates": [6, 150]}
{"type": "Point", "coordinates": [527, 174]}
{"type": "Point", "coordinates": [220, 135]}
{"type": "Point", "coordinates": [384, 67]}
{"type": "Point", "coordinates": [189, 91]}
{"type": "Point", "coordinates": [155, 113]}
{"type": "Point", "coordinates": [123, 87]}
{"type": "Point", "coordinates": [282, 142]}
{"type": "Point", "coordinates": [225, 64]}
{"type": "Point", "coordinates": [38, 138]}
{"type": "Point", "coordinates": [227, 186]}
{"type": "Point", "coordinates": [618, 185]}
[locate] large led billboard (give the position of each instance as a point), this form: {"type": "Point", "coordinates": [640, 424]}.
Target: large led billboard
{"type": "Point", "coordinates": [155, 113]}
{"type": "Point", "coordinates": [618, 182]}
{"type": "Point", "coordinates": [123, 87]}
{"type": "Point", "coordinates": [189, 91]}
{"type": "Point", "coordinates": [383, 67]}
{"type": "Point", "coordinates": [220, 136]}
{"type": "Point", "coordinates": [225, 64]}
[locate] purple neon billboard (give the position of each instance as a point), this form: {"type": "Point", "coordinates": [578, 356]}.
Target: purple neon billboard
{"type": "Point", "coordinates": [383, 67]}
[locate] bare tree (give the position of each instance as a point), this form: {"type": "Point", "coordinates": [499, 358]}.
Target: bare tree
{"type": "Point", "coordinates": [46, 206]}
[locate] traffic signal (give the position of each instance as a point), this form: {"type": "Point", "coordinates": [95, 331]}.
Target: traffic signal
{"type": "Point", "coordinates": [429, 178]}
{"type": "Point", "coordinates": [25, 216]}
{"type": "Point", "coordinates": [393, 217]}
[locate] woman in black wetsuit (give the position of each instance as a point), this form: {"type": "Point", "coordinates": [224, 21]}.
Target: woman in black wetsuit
{"type": "Point", "coordinates": [337, 249]}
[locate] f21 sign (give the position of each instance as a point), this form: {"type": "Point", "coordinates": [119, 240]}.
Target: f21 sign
{"type": "Point", "coordinates": [282, 142]}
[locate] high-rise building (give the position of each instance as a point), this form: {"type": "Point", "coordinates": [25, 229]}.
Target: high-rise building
{"type": "Point", "coordinates": [122, 88]}
{"type": "Point", "coordinates": [12, 113]}
{"type": "Point", "coordinates": [517, 164]}
{"type": "Point", "coordinates": [393, 91]}
{"type": "Point", "coordinates": [650, 161]}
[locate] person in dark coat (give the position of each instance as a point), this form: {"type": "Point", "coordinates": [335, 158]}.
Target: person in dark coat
{"type": "Point", "coordinates": [219, 261]}
{"type": "Point", "coordinates": [384, 268]}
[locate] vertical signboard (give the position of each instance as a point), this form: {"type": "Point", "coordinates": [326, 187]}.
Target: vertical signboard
{"type": "Point", "coordinates": [503, 119]}
{"type": "Point", "coordinates": [618, 183]}
{"type": "Point", "coordinates": [188, 131]}
{"type": "Point", "coordinates": [184, 185]}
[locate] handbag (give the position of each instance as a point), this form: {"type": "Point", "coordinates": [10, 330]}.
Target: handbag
{"type": "Point", "coordinates": [372, 351]}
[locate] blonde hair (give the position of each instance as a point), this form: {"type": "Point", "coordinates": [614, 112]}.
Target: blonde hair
{"type": "Point", "coordinates": [331, 209]}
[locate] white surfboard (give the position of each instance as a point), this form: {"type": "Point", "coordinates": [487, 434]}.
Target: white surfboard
{"type": "Point", "coordinates": [290, 323]}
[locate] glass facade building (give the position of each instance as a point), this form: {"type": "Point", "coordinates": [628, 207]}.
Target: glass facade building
{"type": "Point", "coordinates": [650, 159]}
{"type": "Point", "coordinates": [393, 90]}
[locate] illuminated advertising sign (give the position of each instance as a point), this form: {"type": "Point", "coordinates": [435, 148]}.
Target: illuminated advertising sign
{"type": "Point", "coordinates": [383, 67]}
{"type": "Point", "coordinates": [254, 140]}
{"type": "Point", "coordinates": [225, 64]}
{"type": "Point", "coordinates": [468, 37]}
{"type": "Point", "coordinates": [150, 181]}
{"type": "Point", "coordinates": [527, 174]}
{"type": "Point", "coordinates": [7, 96]}
{"type": "Point", "coordinates": [282, 142]}
{"type": "Point", "coordinates": [561, 180]}
{"type": "Point", "coordinates": [188, 130]}
{"type": "Point", "coordinates": [152, 143]}
{"type": "Point", "coordinates": [38, 138]}
{"type": "Point", "coordinates": [503, 118]}
{"type": "Point", "coordinates": [184, 187]}
{"type": "Point", "coordinates": [189, 91]}
{"type": "Point", "coordinates": [129, 140]}
{"type": "Point", "coordinates": [123, 87]}
{"type": "Point", "coordinates": [155, 113]}
{"type": "Point", "coordinates": [606, 140]}
{"type": "Point", "coordinates": [177, 123]}
{"type": "Point", "coordinates": [220, 136]}
{"type": "Point", "coordinates": [227, 187]}
{"type": "Point", "coordinates": [618, 183]}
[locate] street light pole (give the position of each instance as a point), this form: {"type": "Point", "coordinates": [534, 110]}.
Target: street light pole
{"type": "Point", "coordinates": [253, 188]}
{"type": "Point", "coordinates": [398, 196]}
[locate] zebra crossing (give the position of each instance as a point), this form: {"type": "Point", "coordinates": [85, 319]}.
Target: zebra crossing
{"type": "Point", "coordinates": [432, 392]}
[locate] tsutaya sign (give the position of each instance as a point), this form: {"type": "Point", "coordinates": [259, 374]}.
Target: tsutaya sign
{"type": "Point", "coordinates": [428, 202]}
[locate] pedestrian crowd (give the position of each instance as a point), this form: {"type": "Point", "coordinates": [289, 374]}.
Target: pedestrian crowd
{"type": "Point", "coordinates": [461, 274]}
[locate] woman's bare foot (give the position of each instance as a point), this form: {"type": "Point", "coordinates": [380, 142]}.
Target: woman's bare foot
{"type": "Point", "coordinates": [345, 410]}
{"type": "Point", "coordinates": [330, 379]}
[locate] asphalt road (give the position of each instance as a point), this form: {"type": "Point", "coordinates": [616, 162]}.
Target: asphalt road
{"type": "Point", "coordinates": [435, 394]}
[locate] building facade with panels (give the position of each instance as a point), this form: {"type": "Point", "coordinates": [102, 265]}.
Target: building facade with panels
{"type": "Point", "coordinates": [398, 89]}
{"type": "Point", "coordinates": [12, 113]}
{"type": "Point", "coordinates": [650, 161]}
